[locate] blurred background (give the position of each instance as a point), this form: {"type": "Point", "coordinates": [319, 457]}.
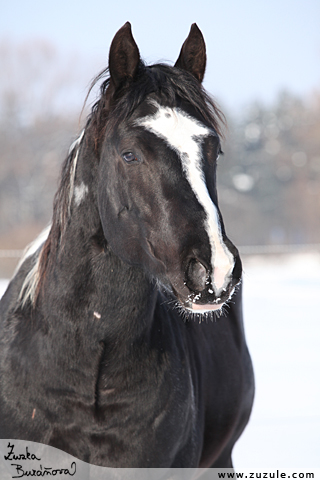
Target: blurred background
{"type": "Point", "coordinates": [264, 72]}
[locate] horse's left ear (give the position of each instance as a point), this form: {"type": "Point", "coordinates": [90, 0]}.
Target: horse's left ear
{"type": "Point", "coordinates": [193, 56]}
{"type": "Point", "coordinates": [124, 56]}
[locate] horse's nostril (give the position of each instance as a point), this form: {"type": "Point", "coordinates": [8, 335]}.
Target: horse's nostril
{"type": "Point", "coordinates": [196, 276]}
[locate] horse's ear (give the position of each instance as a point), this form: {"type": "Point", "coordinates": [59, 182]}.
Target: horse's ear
{"type": "Point", "coordinates": [192, 56]}
{"type": "Point", "coordinates": [124, 56]}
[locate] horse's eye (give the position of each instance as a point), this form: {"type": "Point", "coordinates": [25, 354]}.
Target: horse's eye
{"type": "Point", "coordinates": [220, 152]}
{"type": "Point", "coordinates": [130, 157]}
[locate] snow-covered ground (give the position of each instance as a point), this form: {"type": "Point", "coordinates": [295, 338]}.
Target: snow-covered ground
{"type": "Point", "coordinates": [282, 320]}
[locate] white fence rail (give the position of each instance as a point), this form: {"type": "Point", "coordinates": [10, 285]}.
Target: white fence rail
{"type": "Point", "coordinates": [278, 249]}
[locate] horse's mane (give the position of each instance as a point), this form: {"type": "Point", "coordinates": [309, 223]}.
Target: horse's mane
{"type": "Point", "coordinates": [171, 86]}
{"type": "Point", "coordinates": [48, 241]}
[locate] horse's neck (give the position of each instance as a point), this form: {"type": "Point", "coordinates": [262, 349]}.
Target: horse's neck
{"type": "Point", "coordinates": [88, 285]}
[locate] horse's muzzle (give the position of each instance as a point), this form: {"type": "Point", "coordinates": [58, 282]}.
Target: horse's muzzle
{"type": "Point", "coordinates": [203, 296]}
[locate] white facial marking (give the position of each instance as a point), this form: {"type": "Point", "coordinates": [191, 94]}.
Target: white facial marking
{"type": "Point", "coordinates": [80, 192]}
{"type": "Point", "coordinates": [184, 134]}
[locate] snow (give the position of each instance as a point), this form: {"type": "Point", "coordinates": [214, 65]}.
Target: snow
{"type": "Point", "coordinates": [281, 309]}
{"type": "Point", "coordinates": [282, 322]}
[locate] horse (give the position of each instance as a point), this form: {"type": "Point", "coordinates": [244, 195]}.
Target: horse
{"type": "Point", "coordinates": [121, 334]}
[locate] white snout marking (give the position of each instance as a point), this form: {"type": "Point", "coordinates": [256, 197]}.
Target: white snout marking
{"type": "Point", "coordinates": [184, 135]}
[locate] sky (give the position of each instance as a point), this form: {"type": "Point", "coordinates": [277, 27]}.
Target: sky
{"type": "Point", "coordinates": [255, 48]}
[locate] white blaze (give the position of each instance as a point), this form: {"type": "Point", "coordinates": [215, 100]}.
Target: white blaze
{"type": "Point", "coordinates": [183, 134]}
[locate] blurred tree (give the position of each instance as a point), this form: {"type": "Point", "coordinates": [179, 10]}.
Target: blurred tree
{"type": "Point", "coordinates": [269, 179]}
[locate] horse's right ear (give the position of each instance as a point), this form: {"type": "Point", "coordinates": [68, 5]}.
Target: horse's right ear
{"type": "Point", "coordinates": [124, 57]}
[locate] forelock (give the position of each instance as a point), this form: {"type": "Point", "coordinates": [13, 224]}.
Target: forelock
{"type": "Point", "coordinates": [170, 87]}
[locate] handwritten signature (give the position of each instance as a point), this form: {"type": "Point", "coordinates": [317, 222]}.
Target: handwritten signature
{"type": "Point", "coordinates": [41, 471]}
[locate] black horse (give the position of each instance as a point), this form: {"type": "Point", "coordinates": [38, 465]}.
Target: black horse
{"type": "Point", "coordinates": [111, 348]}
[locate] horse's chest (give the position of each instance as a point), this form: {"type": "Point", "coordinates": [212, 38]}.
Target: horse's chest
{"type": "Point", "coordinates": [151, 418]}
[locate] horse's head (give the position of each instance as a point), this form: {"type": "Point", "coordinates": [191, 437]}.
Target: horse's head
{"type": "Point", "coordinates": [157, 196]}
